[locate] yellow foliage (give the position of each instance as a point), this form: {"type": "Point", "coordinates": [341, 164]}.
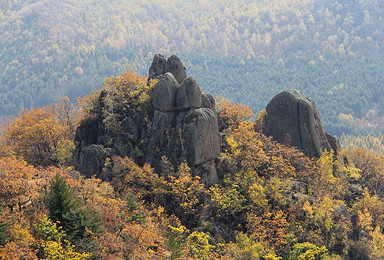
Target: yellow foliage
{"type": "Point", "coordinates": [55, 250]}
{"type": "Point", "coordinates": [233, 114]}
{"type": "Point", "coordinates": [36, 134]}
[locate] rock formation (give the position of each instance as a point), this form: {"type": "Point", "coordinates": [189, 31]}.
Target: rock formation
{"type": "Point", "coordinates": [173, 65]}
{"type": "Point", "coordinates": [183, 127]}
{"type": "Point", "coordinates": [189, 94]}
{"type": "Point", "coordinates": [157, 68]}
{"type": "Point", "coordinates": [183, 130]}
{"type": "Point", "coordinates": [294, 119]}
{"type": "Point", "coordinates": [164, 93]}
{"type": "Point", "coordinates": [176, 67]}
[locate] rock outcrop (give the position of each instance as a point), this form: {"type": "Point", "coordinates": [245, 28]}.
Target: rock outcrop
{"type": "Point", "coordinates": [183, 131]}
{"type": "Point", "coordinates": [201, 135]}
{"type": "Point", "coordinates": [157, 68]}
{"type": "Point", "coordinates": [183, 127]}
{"type": "Point", "coordinates": [189, 94]}
{"type": "Point", "coordinates": [92, 160]}
{"type": "Point", "coordinates": [293, 119]}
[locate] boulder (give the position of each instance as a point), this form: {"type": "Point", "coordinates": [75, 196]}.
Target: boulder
{"type": "Point", "coordinates": [294, 119]}
{"type": "Point", "coordinates": [201, 136]}
{"type": "Point", "coordinates": [164, 93]}
{"type": "Point", "coordinates": [157, 68]}
{"type": "Point", "coordinates": [92, 160]}
{"type": "Point", "coordinates": [188, 94]}
{"type": "Point", "coordinates": [176, 67]}
{"type": "Point", "coordinates": [208, 101]}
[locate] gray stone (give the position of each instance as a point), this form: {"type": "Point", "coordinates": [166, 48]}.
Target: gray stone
{"type": "Point", "coordinates": [176, 67]}
{"type": "Point", "coordinates": [334, 143]}
{"type": "Point", "coordinates": [208, 101]}
{"type": "Point", "coordinates": [157, 68]}
{"type": "Point", "coordinates": [293, 118]}
{"type": "Point", "coordinates": [161, 127]}
{"type": "Point", "coordinates": [201, 136]}
{"type": "Point", "coordinates": [164, 93]}
{"type": "Point", "coordinates": [342, 210]}
{"type": "Point", "coordinates": [208, 172]}
{"type": "Point", "coordinates": [189, 94]}
{"type": "Point", "coordinates": [92, 160]}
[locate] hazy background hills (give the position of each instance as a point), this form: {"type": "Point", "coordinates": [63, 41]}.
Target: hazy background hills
{"type": "Point", "coordinates": [246, 51]}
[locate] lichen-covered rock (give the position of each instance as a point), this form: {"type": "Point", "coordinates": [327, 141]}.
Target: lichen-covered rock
{"type": "Point", "coordinates": [164, 93]}
{"type": "Point", "coordinates": [188, 94]}
{"type": "Point", "coordinates": [176, 67]}
{"type": "Point", "coordinates": [157, 68]}
{"type": "Point", "coordinates": [294, 119]}
{"type": "Point", "coordinates": [201, 135]}
{"type": "Point", "coordinates": [208, 101]}
{"type": "Point", "coordinates": [92, 160]}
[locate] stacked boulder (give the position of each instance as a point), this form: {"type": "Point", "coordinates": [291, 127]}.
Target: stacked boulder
{"type": "Point", "coordinates": [184, 126]}
{"type": "Point", "coordinates": [292, 118]}
{"type": "Point", "coordinates": [173, 65]}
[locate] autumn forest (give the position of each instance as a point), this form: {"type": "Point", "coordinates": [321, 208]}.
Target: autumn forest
{"type": "Point", "coordinates": [74, 75]}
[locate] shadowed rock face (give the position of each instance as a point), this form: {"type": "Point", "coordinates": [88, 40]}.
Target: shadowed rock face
{"type": "Point", "coordinates": [208, 101]}
{"type": "Point", "coordinates": [92, 160]}
{"type": "Point", "coordinates": [294, 119]}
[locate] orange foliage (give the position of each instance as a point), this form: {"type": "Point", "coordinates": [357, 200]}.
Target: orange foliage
{"type": "Point", "coordinates": [126, 82]}
{"type": "Point", "coordinates": [233, 114]}
{"type": "Point", "coordinates": [15, 182]}
{"type": "Point", "coordinates": [270, 228]}
{"type": "Point", "coordinates": [36, 134]}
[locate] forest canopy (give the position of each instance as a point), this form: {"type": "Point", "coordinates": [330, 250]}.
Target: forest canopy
{"type": "Point", "coordinates": [246, 51]}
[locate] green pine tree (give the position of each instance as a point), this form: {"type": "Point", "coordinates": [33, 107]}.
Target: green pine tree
{"type": "Point", "coordinates": [63, 208]}
{"type": "Point", "coordinates": [59, 200]}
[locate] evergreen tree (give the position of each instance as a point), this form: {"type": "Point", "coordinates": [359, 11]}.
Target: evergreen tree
{"type": "Point", "coordinates": [77, 222]}
{"type": "Point", "coordinates": [59, 201]}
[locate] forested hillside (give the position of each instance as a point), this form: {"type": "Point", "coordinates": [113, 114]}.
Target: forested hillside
{"type": "Point", "coordinates": [270, 202]}
{"type": "Point", "coordinates": [244, 50]}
